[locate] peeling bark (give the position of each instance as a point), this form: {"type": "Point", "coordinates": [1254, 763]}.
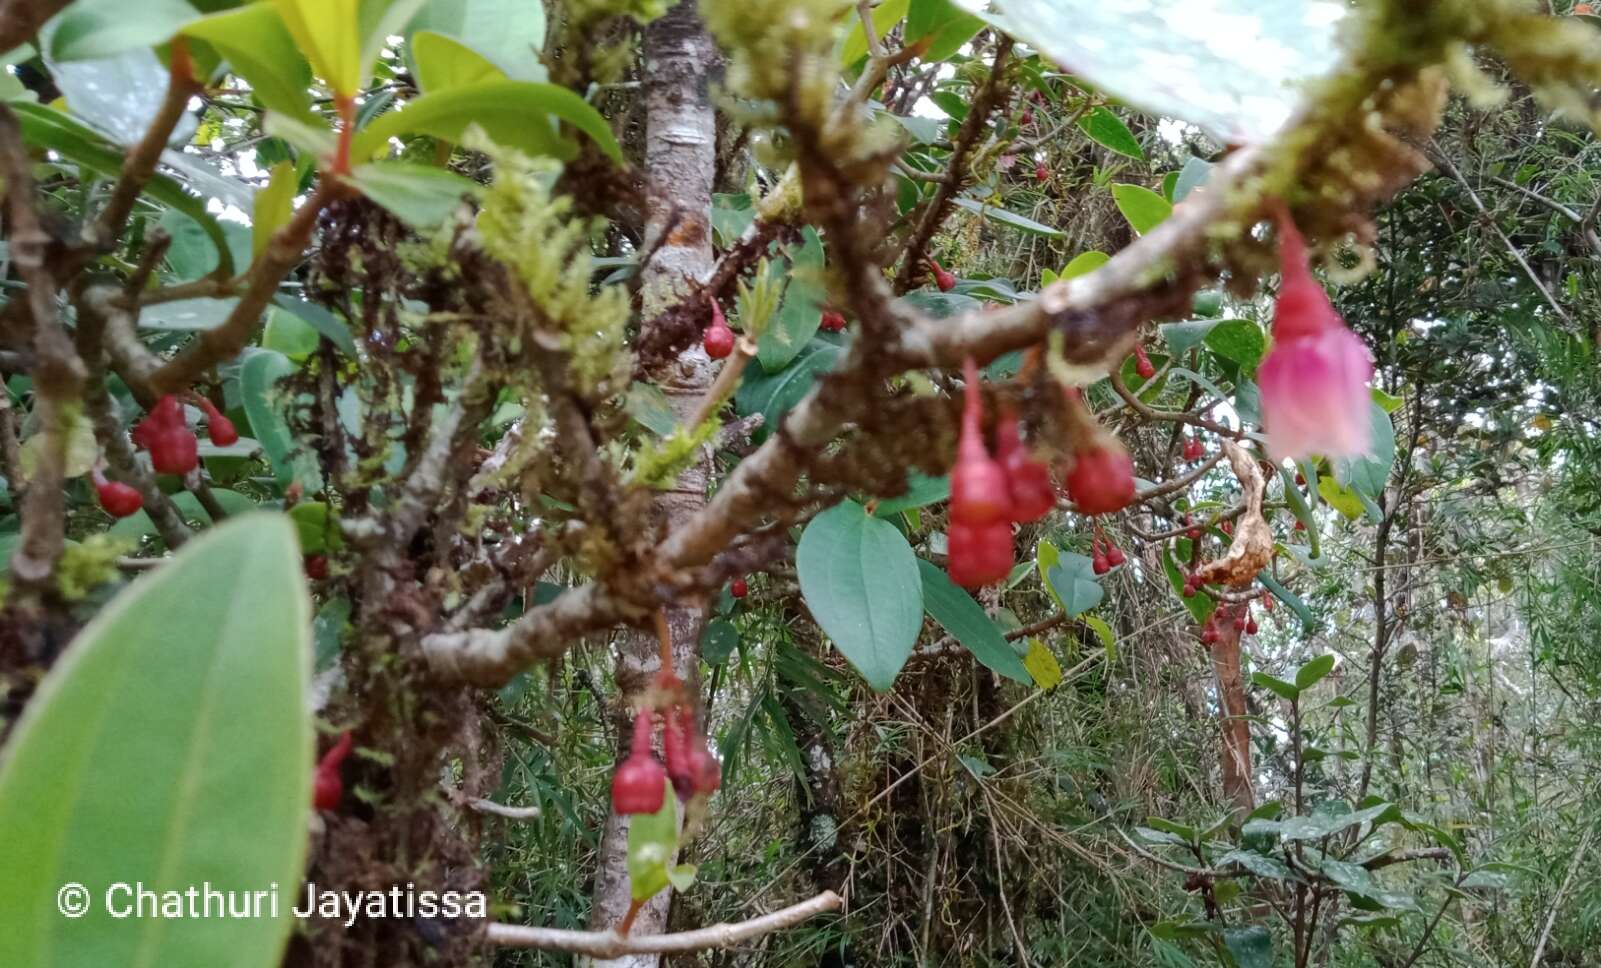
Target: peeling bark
{"type": "Point", "coordinates": [680, 163]}
{"type": "Point", "coordinates": [1235, 728]}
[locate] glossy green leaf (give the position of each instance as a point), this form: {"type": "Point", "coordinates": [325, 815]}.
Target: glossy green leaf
{"type": "Point", "coordinates": [421, 195]}
{"type": "Point", "coordinates": [773, 394]}
{"type": "Point", "coordinates": [319, 319]}
{"type": "Point", "coordinates": [289, 334]}
{"type": "Point", "coordinates": [49, 128]}
{"type": "Point", "coordinates": [514, 113]}
{"type": "Point", "coordinates": [1250, 947]}
{"type": "Point", "coordinates": [1313, 671]}
{"type": "Point", "coordinates": [1341, 499]}
{"type": "Point", "coordinates": [718, 641]}
{"type": "Point", "coordinates": [1108, 130]}
{"type": "Point", "coordinates": [260, 49]}
{"type": "Point", "coordinates": [1284, 690]}
{"type": "Point", "coordinates": [444, 62]}
{"type": "Point", "coordinates": [168, 758]}
{"type": "Point", "coordinates": [508, 33]}
{"type": "Point", "coordinates": [1143, 208]}
{"type": "Point", "coordinates": [798, 317]}
{"type": "Point", "coordinates": [652, 842]}
{"type": "Point", "coordinates": [1103, 632]}
{"type": "Point", "coordinates": [1046, 557]}
{"type": "Point", "coordinates": [265, 405]}
{"type": "Point", "coordinates": [1073, 580]}
{"type": "Point", "coordinates": [861, 582]}
{"type": "Point", "coordinates": [1005, 217]}
{"type": "Point", "coordinates": [1368, 474]}
{"type": "Point", "coordinates": [187, 315]}
{"type": "Point", "coordinates": [1084, 263]}
{"type": "Point", "coordinates": [103, 28]}
{"type": "Point", "coordinates": [885, 16]}
{"type": "Point", "coordinates": [961, 616]}
{"type": "Point", "coordinates": [1262, 865]}
{"type": "Point", "coordinates": [1239, 340]}
{"type": "Point", "coordinates": [274, 206]}
{"type": "Point", "coordinates": [944, 26]}
{"type": "Point", "coordinates": [1192, 176]}
{"type": "Point", "coordinates": [921, 491]}
{"type": "Point", "coordinates": [1236, 69]}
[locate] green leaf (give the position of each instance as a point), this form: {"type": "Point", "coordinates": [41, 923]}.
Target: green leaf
{"type": "Point", "coordinates": [861, 582]}
{"type": "Point", "coordinates": [1073, 580]}
{"type": "Point", "coordinates": [1046, 556]}
{"type": "Point", "coordinates": [1341, 499]}
{"type": "Point", "coordinates": [885, 16]}
{"type": "Point", "coordinates": [513, 113]}
{"type": "Point", "coordinates": [1192, 176]}
{"type": "Point", "coordinates": [1104, 633]}
{"type": "Point", "coordinates": [167, 760]}
{"type": "Point", "coordinates": [1143, 208]}
{"type": "Point", "coordinates": [946, 26]}
{"type": "Point", "coordinates": [1261, 865]}
{"type": "Point", "coordinates": [320, 320]}
{"type": "Point", "coordinates": [1312, 672]}
{"type": "Point", "coordinates": [274, 206]}
{"type": "Point", "coordinates": [1182, 337]}
{"type": "Point", "coordinates": [1308, 622]}
{"type": "Point", "coordinates": [647, 404]}
{"type": "Point", "coordinates": [798, 317]}
{"type": "Point", "coordinates": [1183, 831]}
{"type": "Point", "coordinates": [961, 616]}
{"type": "Point", "coordinates": [259, 48]}
{"type": "Point", "coordinates": [718, 641]}
{"type": "Point", "coordinates": [1284, 690]}
{"type": "Point", "coordinates": [772, 395]}
{"type": "Point", "coordinates": [1389, 404]}
{"type": "Point", "coordinates": [289, 335]}
{"type": "Point", "coordinates": [1249, 947]}
{"type": "Point", "coordinates": [421, 195]}
{"type": "Point", "coordinates": [444, 62]}
{"type": "Point", "coordinates": [1108, 130]}
{"type": "Point", "coordinates": [187, 315]}
{"type": "Point", "coordinates": [49, 128]}
{"type": "Point", "coordinates": [1042, 665]}
{"type": "Point", "coordinates": [1235, 69]}
{"type": "Point", "coordinates": [1239, 340]}
{"type": "Point", "coordinates": [316, 527]}
{"type": "Point", "coordinates": [1200, 605]}
{"type": "Point", "coordinates": [1367, 474]}
{"type": "Point", "coordinates": [508, 33]}
{"type": "Point", "coordinates": [90, 29]}
{"type": "Point", "coordinates": [652, 842]}
{"type": "Point", "coordinates": [264, 406]}
{"type": "Point", "coordinates": [1085, 263]}
{"type": "Point", "coordinates": [1005, 217]}
{"type": "Point", "coordinates": [921, 491]}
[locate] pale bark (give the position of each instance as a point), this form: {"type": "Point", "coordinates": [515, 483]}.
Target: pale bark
{"type": "Point", "coordinates": [680, 161]}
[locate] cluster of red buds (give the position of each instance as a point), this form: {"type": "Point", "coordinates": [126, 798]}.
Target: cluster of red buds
{"type": "Point", "coordinates": [831, 322]}
{"type": "Point", "coordinates": [173, 447]}
{"type": "Point", "coordinates": [639, 784]}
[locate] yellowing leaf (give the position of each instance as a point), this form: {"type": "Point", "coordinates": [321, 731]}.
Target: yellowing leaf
{"type": "Point", "coordinates": [1104, 633]}
{"type": "Point", "coordinates": [274, 205]}
{"type": "Point", "coordinates": [1341, 499]}
{"type": "Point", "coordinates": [1042, 665]}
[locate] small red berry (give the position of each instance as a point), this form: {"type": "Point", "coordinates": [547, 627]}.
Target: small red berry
{"type": "Point", "coordinates": [219, 428]}
{"type": "Point", "coordinates": [174, 451]}
{"type": "Point", "coordinates": [1250, 626]}
{"type": "Point", "coordinates": [1227, 527]}
{"type": "Point", "coordinates": [738, 588]}
{"type": "Point", "coordinates": [640, 783]}
{"type": "Point", "coordinates": [1193, 449]}
{"type": "Point", "coordinates": [1300, 479]}
{"type": "Point", "coordinates": [1209, 635]}
{"type": "Point", "coordinates": [1039, 97]}
{"type": "Point", "coordinates": [944, 280]}
{"type": "Point", "coordinates": [316, 567]}
{"type": "Point", "coordinates": [1027, 117]}
{"type": "Point", "coordinates": [1239, 623]}
{"type": "Point", "coordinates": [1189, 588]}
{"type": "Point", "coordinates": [1114, 555]}
{"type": "Point", "coordinates": [118, 499]}
{"type": "Point", "coordinates": [978, 554]}
{"type": "Point", "coordinates": [1300, 525]}
{"type": "Point", "coordinates": [1142, 363]}
{"type": "Point", "coordinates": [1102, 477]}
{"type": "Point", "coordinates": [718, 339]}
{"type": "Point", "coordinates": [1100, 564]}
{"type": "Point", "coordinates": [832, 322]}
{"type": "Point", "coordinates": [1041, 172]}
{"type": "Point", "coordinates": [327, 786]}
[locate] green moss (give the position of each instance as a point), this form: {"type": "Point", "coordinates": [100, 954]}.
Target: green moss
{"type": "Point", "coordinates": [86, 565]}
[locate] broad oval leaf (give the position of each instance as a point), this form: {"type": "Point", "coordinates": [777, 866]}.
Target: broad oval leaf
{"type": "Point", "coordinates": [860, 580]}
{"type": "Point", "coordinates": [1234, 67]}
{"type": "Point", "coordinates": [507, 33]}
{"type": "Point", "coordinates": [102, 28]}
{"type": "Point", "coordinates": [169, 746]}
{"type": "Point", "coordinates": [514, 113]}
{"type": "Point", "coordinates": [1313, 671]}
{"type": "Point", "coordinates": [957, 613]}
{"type": "Point", "coordinates": [422, 196]}
{"type": "Point", "coordinates": [1073, 581]}
{"type": "Point", "coordinates": [444, 62]}
{"type": "Point", "coordinates": [259, 48]}
{"type": "Point", "coordinates": [1109, 131]}
{"type": "Point", "coordinates": [1143, 208]}
{"type": "Point", "coordinates": [1284, 690]}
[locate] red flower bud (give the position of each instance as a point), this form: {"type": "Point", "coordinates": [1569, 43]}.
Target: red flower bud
{"type": "Point", "coordinates": [980, 491]}
{"type": "Point", "coordinates": [1142, 363]}
{"type": "Point", "coordinates": [1114, 555]}
{"type": "Point", "coordinates": [978, 554]}
{"type": "Point", "coordinates": [1028, 480]}
{"type": "Point", "coordinates": [738, 588]}
{"type": "Point", "coordinates": [316, 567]}
{"type": "Point", "coordinates": [640, 783]}
{"type": "Point", "coordinates": [944, 280]}
{"type": "Point", "coordinates": [118, 499]}
{"type": "Point", "coordinates": [832, 322]}
{"type": "Point", "coordinates": [1102, 478]}
{"type": "Point", "coordinates": [1041, 172]}
{"type": "Point", "coordinates": [718, 339]}
{"type": "Point", "coordinates": [326, 784]}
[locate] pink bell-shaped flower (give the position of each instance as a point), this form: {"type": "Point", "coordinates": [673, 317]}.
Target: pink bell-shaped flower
{"type": "Point", "coordinates": [1314, 380]}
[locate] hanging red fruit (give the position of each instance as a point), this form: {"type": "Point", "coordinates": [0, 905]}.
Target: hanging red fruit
{"type": "Point", "coordinates": [327, 787]}
{"type": "Point", "coordinates": [1142, 363]}
{"type": "Point", "coordinates": [640, 783]}
{"type": "Point", "coordinates": [718, 340]}
{"type": "Point", "coordinates": [1042, 173]}
{"type": "Point", "coordinates": [944, 280]}
{"type": "Point", "coordinates": [978, 554]}
{"type": "Point", "coordinates": [1313, 381]}
{"type": "Point", "coordinates": [1114, 555]}
{"type": "Point", "coordinates": [1028, 480]}
{"type": "Point", "coordinates": [172, 445]}
{"type": "Point", "coordinates": [832, 322]}
{"type": "Point", "coordinates": [1098, 560]}
{"type": "Point", "coordinates": [980, 492]}
{"type": "Point", "coordinates": [219, 428]}
{"type": "Point", "coordinates": [1193, 450]}
{"type": "Point", "coordinates": [117, 499]}
{"type": "Point", "coordinates": [738, 588]}
{"type": "Point", "coordinates": [1101, 480]}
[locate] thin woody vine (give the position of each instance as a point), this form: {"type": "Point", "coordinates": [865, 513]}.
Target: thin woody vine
{"type": "Point", "coordinates": [433, 552]}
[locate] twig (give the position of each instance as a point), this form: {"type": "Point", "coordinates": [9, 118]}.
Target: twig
{"type": "Point", "coordinates": [1556, 902]}
{"type": "Point", "coordinates": [610, 944]}
{"type": "Point", "coordinates": [1173, 416]}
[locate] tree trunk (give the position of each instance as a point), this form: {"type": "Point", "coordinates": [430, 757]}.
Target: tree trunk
{"type": "Point", "coordinates": [680, 160]}
{"type": "Point", "coordinates": [1236, 729]}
